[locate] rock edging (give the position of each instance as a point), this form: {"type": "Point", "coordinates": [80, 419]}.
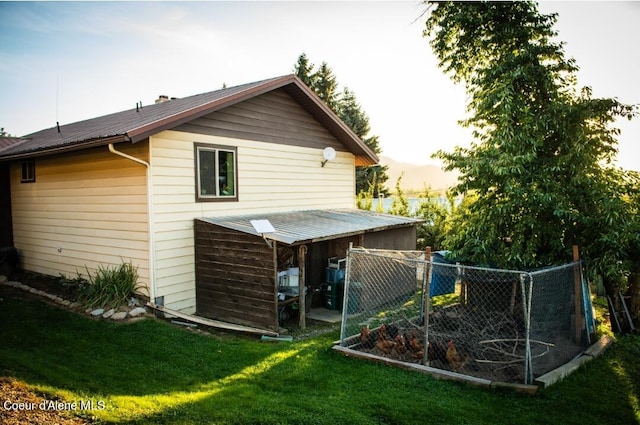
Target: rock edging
{"type": "Point", "coordinates": [112, 314]}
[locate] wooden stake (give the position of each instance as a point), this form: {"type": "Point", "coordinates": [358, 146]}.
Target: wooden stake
{"type": "Point", "coordinates": [302, 304]}
{"type": "Point", "coordinates": [625, 310]}
{"type": "Point", "coordinates": [615, 324]}
{"type": "Point", "coordinates": [577, 290]}
{"type": "Point", "coordinates": [276, 307]}
{"type": "Point", "coordinates": [426, 303]}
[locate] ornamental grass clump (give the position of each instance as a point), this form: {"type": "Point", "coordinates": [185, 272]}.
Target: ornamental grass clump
{"type": "Point", "coordinates": [110, 286]}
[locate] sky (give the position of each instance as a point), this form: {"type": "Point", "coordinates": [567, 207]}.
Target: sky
{"type": "Point", "coordinates": [70, 61]}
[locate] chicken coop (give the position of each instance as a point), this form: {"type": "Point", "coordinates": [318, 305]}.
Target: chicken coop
{"type": "Point", "coordinates": [416, 309]}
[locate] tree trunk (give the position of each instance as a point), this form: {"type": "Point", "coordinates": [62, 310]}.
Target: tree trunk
{"type": "Point", "coordinates": [633, 294]}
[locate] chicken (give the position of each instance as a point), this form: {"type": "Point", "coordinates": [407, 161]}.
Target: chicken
{"type": "Point", "coordinates": [391, 331]}
{"type": "Point", "coordinates": [367, 339]}
{"type": "Point", "coordinates": [417, 349]}
{"type": "Point", "coordinates": [401, 344]}
{"type": "Point", "coordinates": [414, 344]}
{"type": "Point", "coordinates": [437, 351]}
{"type": "Point", "coordinates": [383, 344]}
{"type": "Point", "coordinates": [456, 360]}
{"type": "Point", "coordinates": [418, 355]}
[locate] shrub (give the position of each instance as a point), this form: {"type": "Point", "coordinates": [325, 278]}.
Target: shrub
{"type": "Point", "coordinates": [110, 286]}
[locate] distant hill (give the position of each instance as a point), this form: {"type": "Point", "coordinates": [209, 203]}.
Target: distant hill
{"type": "Point", "coordinates": [417, 176]}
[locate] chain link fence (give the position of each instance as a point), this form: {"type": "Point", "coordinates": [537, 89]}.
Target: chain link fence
{"type": "Point", "coordinates": [500, 325]}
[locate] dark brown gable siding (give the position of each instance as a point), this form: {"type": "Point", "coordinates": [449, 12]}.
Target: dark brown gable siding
{"type": "Point", "coordinates": [235, 277]}
{"type": "Point", "coordinates": [273, 117]}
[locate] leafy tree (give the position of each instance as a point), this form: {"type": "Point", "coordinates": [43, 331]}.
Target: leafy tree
{"type": "Point", "coordinates": [541, 160]}
{"type": "Point", "coordinates": [364, 199]}
{"type": "Point", "coordinates": [400, 204]}
{"type": "Point", "coordinates": [346, 106]}
{"type": "Point", "coordinates": [437, 216]}
{"type": "Point", "coordinates": [614, 231]}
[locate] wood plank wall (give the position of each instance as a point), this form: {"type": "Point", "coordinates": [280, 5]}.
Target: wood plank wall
{"type": "Point", "coordinates": [235, 277]}
{"type": "Point", "coordinates": [273, 117]}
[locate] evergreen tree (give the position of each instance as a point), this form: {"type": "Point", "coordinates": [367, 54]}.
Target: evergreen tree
{"type": "Point", "coordinates": [325, 85]}
{"type": "Point", "coordinates": [303, 69]}
{"type": "Point", "coordinates": [349, 111]}
{"type": "Point", "coordinates": [345, 105]}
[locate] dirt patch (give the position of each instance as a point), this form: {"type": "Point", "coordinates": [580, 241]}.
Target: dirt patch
{"type": "Point", "coordinates": [49, 284]}
{"type": "Point", "coordinates": [21, 406]}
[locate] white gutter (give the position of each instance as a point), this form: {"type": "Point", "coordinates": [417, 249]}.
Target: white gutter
{"type": "Point", "coordinates": [152, 262]}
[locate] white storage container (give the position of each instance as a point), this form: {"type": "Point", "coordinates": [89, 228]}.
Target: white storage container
{"type": "Point", "coordinates": [289, 284]}
{"type": "Point", "coordinates": [337, 263]}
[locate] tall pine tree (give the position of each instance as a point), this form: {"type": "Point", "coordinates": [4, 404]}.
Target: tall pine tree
{"type": "Point", "coordinates": [346, 106]}
{"type": "Point", "coordinates": [304, 70]}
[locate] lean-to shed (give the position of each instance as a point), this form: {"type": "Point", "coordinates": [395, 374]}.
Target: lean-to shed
{"type": "Point", "coordinates": [237, 268]}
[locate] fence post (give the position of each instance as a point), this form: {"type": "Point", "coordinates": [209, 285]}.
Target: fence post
{"type": "Point", "coordinates": [345, 298]}
{"type": "Point", "coordinates": [527, 296]}
{"type": "Point", "coordinates": [577, 291]}
{"type": "Point", "coordinates": [302, 287]}
{"type": "Point", "coordinates": [426, 302]}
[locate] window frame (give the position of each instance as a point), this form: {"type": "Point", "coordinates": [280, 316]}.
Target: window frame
{"type": "Point", "coordinates": [199, 147]}
{"type": "Point", "coordinates": [28, 171]}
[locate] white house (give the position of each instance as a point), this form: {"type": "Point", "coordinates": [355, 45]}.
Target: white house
{"type": "Point", "coordinates": [128, 186]}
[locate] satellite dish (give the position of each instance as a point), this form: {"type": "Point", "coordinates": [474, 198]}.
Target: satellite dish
{"type": "Point", "coordinates": [329, 154]}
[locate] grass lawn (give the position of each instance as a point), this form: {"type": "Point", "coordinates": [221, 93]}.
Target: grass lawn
{"type": "Point", "coordinates": [153, 372]}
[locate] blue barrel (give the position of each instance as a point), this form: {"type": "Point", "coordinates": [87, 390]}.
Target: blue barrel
{"type": "Point", "coordinates": [443, 277]}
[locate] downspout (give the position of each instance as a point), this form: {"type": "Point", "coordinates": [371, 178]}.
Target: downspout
{"type": "Point", "coordinates": [152, 262]}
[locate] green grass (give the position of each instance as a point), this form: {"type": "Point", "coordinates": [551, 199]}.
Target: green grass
{"type": "Point", "coordinates": [152, 372]}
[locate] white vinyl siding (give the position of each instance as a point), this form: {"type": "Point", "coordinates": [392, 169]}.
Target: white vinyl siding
{"type": "Point", "coordinates": [271, 178]}
{"type": "Point", "coordinates": [85, 209]}
{"type": "Point", "coordinates": [91, 207]}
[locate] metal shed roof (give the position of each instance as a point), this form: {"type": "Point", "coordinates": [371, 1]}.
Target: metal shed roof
{"type": "Point", "coordinates": [294, 228]}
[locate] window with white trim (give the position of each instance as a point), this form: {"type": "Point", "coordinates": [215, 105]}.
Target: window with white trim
{"type": "Point", "coordinates": [216, 173]}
